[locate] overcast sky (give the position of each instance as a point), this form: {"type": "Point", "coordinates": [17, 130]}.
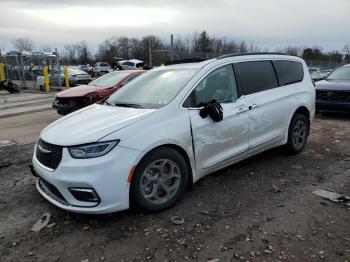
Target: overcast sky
{"type": "Point", "coordinates": [267, 23]}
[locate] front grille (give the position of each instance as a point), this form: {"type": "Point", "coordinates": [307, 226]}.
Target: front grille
{"type": "Point", "coordinates": [51, 191]}
{"type": "Point", "coordinates": [338, 96]}
{"type": "Point", "coordinates": [48, 154]}
{"type": "Point", "coordinates": [63, 101]}
{"type": "Point", "coordinates": [83, 81]}
{"type": "Point", "coordinates": [76, 102]}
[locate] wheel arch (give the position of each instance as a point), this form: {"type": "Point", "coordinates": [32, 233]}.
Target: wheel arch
{"type": "Point", "coordinates": [182, 152]}
{"type": "Point", "coordinates": [304, 111]}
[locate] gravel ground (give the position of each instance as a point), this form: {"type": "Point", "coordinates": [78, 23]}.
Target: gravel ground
{"type": "Point", "coordinates": [261, 209]}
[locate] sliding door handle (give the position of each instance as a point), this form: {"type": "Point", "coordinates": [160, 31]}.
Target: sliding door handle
{"type": "Point", "coordinates": [241, 110]}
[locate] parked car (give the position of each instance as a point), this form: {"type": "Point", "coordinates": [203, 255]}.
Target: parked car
{"type": "Point", "coordinates": [333, 93]}
{"type": "Point", "coordinates": [75, 77]}
{"type": "Point", "coordinates": [147, 143]}
{"type": "Point", "coordinates": [313, 69]}
{"type": "Point", "coordinates": [84, 68]}
{"type": "Point", "coordinates": [101, 68]}
{"type": "Point", "coordinates": [132, 64]}
{"type": "Point", "coordinates": [78, 97]}
{"type": "Point", "coordinates": [320, 75]}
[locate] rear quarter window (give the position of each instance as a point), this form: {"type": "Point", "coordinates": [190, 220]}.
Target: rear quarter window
{"type": "Point", "coordinates": [139, 65]}
{"type": "Point", "coordinates": [288, 72]}
{"type": "Point", "coordinates": [256, 76]}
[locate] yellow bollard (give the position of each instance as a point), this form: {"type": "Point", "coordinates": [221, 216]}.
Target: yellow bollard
{"type": "Point", "coordinates": [66, 80]}
{"type": "Point", "coordinates": [2, 72]}
{"type": "Point", "coordinates": [46, 78]}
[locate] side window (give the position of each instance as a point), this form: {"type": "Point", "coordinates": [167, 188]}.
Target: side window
{"type": "Point", "coordinates": [256, 76]}
{"type": "Point", "coordinates": [288, 72]}
{"type": "Point", "coordinates": [219, 85]}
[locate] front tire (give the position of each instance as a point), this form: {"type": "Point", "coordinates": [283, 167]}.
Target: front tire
{"type": "Point", "coordinates": [298, 133]}
{"type": "Point", "coordinates": [159, 180]}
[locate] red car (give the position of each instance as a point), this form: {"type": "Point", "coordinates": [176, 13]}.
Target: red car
{"type": "Point", "coordinates": [78, 97]}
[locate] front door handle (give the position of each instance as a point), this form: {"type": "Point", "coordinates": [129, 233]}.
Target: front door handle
{"type": "Point", "coordinates": [253, 106]}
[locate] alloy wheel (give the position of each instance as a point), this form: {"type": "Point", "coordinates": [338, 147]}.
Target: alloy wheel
{"type": "Point", "coordinates": [160, 181]}
{"type": "Point", "coordinates": [299, 135]}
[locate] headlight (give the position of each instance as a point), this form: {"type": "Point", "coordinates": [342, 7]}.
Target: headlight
{"type": "Point", "coordinates": [92, 150]}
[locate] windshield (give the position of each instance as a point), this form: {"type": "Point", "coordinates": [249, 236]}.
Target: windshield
{"type": "Point", "coordinates": [109, 80]}
{"type": "Point", "coordinates": [153, 89]}
{"type": "Point", "coordinates": [342, 73]}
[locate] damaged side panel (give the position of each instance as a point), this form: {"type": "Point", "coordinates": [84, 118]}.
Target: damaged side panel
{"type": "Point", "coordinates": [216, 142]}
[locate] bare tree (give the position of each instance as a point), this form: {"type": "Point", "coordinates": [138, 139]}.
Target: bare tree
{"type": "Point", "coordinates": [46, 48]}
{"type": "Point", "coordinates": [148, 42]}
{"type": "Point", "coordinates": [2, 48]}
{"type": "Point", "coordinates": [243, 47]}
{"type": "Point", "coordinates": [70, 53]}
{"type": "Point", "coordinates": [23, 44]}
{"type": "Point", "coordinates": [346, 49]}
{"type": "Point", "coordinates": [108, 50]}
{"type": "Point", "coordinates": [83, 53]}
{"type": "Point", "coordinates": [124, 47]}
{"type": "Point", "coordinates": [293, 50]}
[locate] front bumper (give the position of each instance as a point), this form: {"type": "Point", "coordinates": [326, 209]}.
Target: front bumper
{"type": "Point", "coordinates": [63, 109]}
{"type": "Point", "coordinates": [66, 106]}
{"type": "Point", "coordinates": [332, 106]}
{"type": "Point", "coordinates": [106, 175]}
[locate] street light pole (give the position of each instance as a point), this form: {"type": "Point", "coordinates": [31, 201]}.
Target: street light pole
{"type": "Point", "coordinates": [59, 68]}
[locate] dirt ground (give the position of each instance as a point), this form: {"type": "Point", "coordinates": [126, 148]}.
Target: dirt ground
{"type": "Point", "coordinates": [25, 129]}
{"type": "Point", "coordinates": [261, 209]}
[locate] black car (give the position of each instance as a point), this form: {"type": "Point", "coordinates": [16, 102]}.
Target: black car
{"type": "Point", "coordinates": [333, 93]}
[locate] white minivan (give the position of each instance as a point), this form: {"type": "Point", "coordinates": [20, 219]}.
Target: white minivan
{"type": "Point", "coordinates": [132, 64]}
{"type": "Point", "coordinates": [147, 143]}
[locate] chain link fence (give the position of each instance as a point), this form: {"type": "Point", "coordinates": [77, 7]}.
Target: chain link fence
{"type": "Point", "coordinates": [26, 69]}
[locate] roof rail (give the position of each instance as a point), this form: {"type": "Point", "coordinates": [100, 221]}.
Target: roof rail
{"type": "Point", "coordinates": [244, 54]}
{"type": "Point", "coordinates": [184, 61]}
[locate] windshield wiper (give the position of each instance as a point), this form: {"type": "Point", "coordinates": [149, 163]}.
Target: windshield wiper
{"type": "Point", "coordinates": [107, 103]}
{"type": "Point", "coordinates": [128, 105]}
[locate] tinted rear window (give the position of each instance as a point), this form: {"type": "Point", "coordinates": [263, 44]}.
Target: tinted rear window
{"type": "Point", "coordinates": [256, 76]}
{"type": "Point", "coordinates": [288, 72]}
{"type": "Point", "coordinates": [140, 65]}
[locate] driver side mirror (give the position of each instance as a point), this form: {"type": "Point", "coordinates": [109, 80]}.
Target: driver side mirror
{"type": "Point", "coordinates": [212, 109]}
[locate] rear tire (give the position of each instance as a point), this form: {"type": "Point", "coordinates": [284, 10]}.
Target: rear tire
{"type": "Point", "coordinates": [159, 180]}
{"type": "Point", "coordinates": [298, 133]}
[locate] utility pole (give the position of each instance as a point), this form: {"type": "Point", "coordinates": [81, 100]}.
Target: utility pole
{"type": "Point", "coordinates": [22, 73]}
{"type": "Point", "coordinates": [150, 53]}
{"type": "Point", "coordinates": [171, 47]}
{"type": "Point", "coordinates": [59, 68]}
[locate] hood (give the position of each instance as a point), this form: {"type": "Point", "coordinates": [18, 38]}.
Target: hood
{"type": "Point", "coordinates": [79, 91]}
{"type": "Point", "coordinates": [92, 123]}
{"type": "Point", "coordinates": [333, 85]}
